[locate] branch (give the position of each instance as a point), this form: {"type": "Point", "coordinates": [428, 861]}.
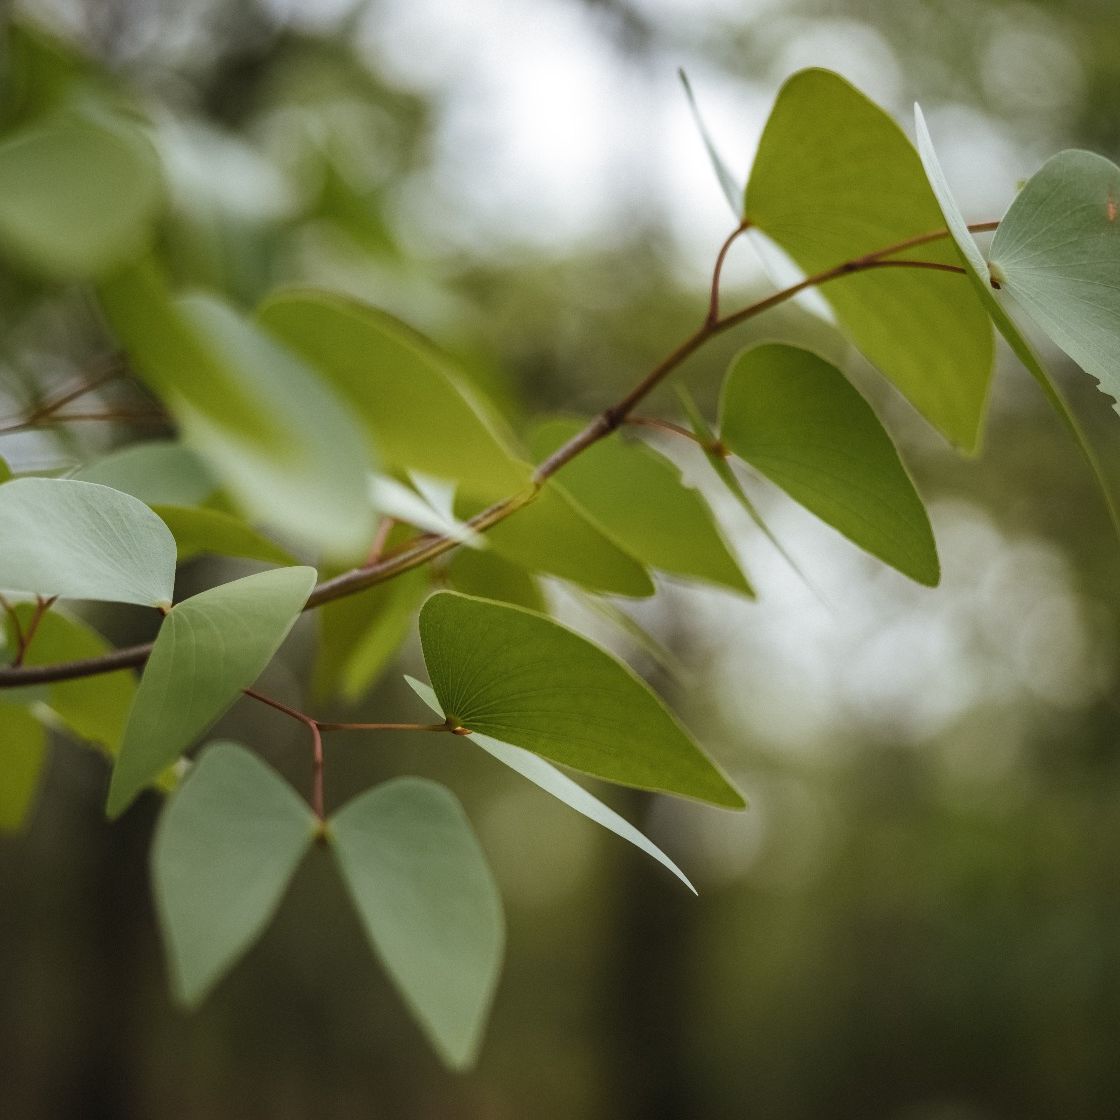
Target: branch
{"type": "Point", "coordinates": [427, 548]}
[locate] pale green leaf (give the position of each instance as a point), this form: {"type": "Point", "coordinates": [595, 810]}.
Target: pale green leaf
{"type": "Point", "coordinates": [639, 498]}
{"type": "Point", "coordinates": [979, 278]}
{"type": "Point", "coordinates": [551, 780]}
{"type": "Point", "coordinates": [429, 905]}
{"type": "Point", "coordinates": [80, 540]}
{"type": "Point", "coordinates": [1057, 253]}
{"type": "Point", "coordinates": [835, 179]}
{"type": "Point", "coordinates": [208, 649]}
{"type": "Point", "coordinates": [227, 844]}
{"type": "Point", "coordinates": [22, 751]}
{"type": "Point", "coordinates": [526, 680]}
{"type": "Point", "coordinates": [420, 413]}
{"type": "Point", "coordinates": [797, 419]}
{"type": "Point", "coordinates": [209, 530]}
{"type": "Point", "coordinates": [76, 198]}
{"type": "Point", "coordinates": [159, 472]}
{"type": "Point", "coordinates": [731, 187]}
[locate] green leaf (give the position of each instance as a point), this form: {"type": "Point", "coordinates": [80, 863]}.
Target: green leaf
{"type": "Point", "coordinates": [209, 530]}
{"type": "Point", "coordinates": [253, 410]}
{"type": "Point", "coordinates": [797, 419]}
{"type": "Point", "coordinates": [978, 276]}
{"type": "Point", "coordinates": [552, 781]}
{"type": "Point", "coordinates": [76, 199]}
{"type": "Point", "coordinates": [420, 414]}
{"type": "Point", "coordinates": [835, 179]}
{"type": "Point", "coordinates": [94, 709]}
{"type": "Point", "coordinates": [487, 575]}
{"type": "Point", "coordinates": [227, 845]}
{"type": "Point", "coordinates": [80, 540]}
{"type": "Point", "coordinates": [429, 905]}
{"type": "Point", "coordinates": [160, 472]}
{"type": "Point", "coordinates": [359, 635]}
{"type": "Point", "coordinates": [5, 471]}
{"type": "Point", "coordinates": [208, 649]}
{"type": "Point", "coordinates": [731, 187]}
{"type": "Point", "coordinates": [22, 752]}
{"type": "Point", "coordinates": [526, 680]}
{"type": "Point", "coordinates": [639, 497]}
{"type": "Point", "coordinates": [551, 534]}
{"type": "Point", "coordinates": [1057, 253]}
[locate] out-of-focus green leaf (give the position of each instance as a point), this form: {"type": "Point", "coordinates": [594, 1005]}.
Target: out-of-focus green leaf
{"type": "Point", "coordinates": [835, 179]}
{"type": "Point", "coordinates": [429, 905]}
{"type": "Point", "coordinates": [488, 575]}
{"type": "Point", "coordinates": [253, 410]}
{"type": "Point", "coordinates": [209, 648]}
{"type": "Point", "coordinates": [978, 276]}
{"type": "Point", "coordinates": [731, 187]}
{"type": "Point", "coordinates": [526, 680]}
{"type": "Point", "coordinates": [640, 499]}
{"type": "Point", "coordinates": [5, 471]}
{"type": "Point", "coordinates": [359, 635]}
{"type": "Point", "coordinates": [76, 199]}
{"type": "Point", "coordinates": [22, 750]}
{"type": "Point", "coordinates": [552, 781]}
{"type": "Point", "coordinates": [160, 472]}
{"type": "Point", "coordinates": [551, 534]}
{"type": "Point", "coordinates": [1057, 252]}
{"type": "Point", "coordinates": [228, 843]}
{"type": "Point", "coordinates": [419, 413]}
{"type": "Point", "coordinates": [797, 419]}
{"type": "Point", "coordinates": [94, 708]}
{"type": "Point", "coordinates": [209, 530]}
{"type": "Point", "coordinates": [80, 540]}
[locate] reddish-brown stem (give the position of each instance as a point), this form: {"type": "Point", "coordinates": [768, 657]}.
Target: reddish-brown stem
{"type": "Point", "coordinates": [42, 605]}
{"type": "Point", "coordinates": [663, 426]}
{"type": "Point", "coordinates": [717, 271]}
{"type": "Point", "coordinates": [384, 528]}
{"type": "Point", "coordinates": [13, 618]}
{"type": "Point", "coordinates": [423, 549]}
{"type": "Point", "coordinates": [325, 727]}
{"type": "Point", "coordinates": [68, 417]}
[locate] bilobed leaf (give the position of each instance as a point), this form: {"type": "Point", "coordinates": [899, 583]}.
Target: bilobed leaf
{"type": "Point", "coordinates": [420, 413]}
{"type": "Point", "coordinates": [22, 750]}
{"type": "Point", "coordinates": [797, 419]}
{"type": "Point", "coordinates": [553, 535]}
{"type": "Point", "coordinates": [1057, 253]}
{"type": "Point", "coordinates": [978, 276]}
{"type": "Point", "coordinates": [638, 496]}
{"type": "Point", "coordinates": [835, 179]}
{"type": "Point", "coordinates": [254, 411]}
{"type": "Point", "coordinates": [526, 680]}
{"type": "Point", "coordinates": [210, 530]}
{"type": "Point", "coordinates": [429, 905]}
{"type": "Point", "coordinates": [552, 781]}
{"type": "Point", "coordinates": [731, 187]}
{"type": "Point", "coordinates": [228, 843]}
{"type": "Point", "coordinates": [76, 198]}
{"type": "Point", "coordinates": [208, 649]}
{"type": "Point", "coordinates": [80, 540]}
{"type": "Point", "coordinates": [159, 472]}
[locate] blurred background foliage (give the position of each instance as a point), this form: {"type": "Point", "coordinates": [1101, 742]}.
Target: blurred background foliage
{"type": "Point", "coordinates": [919, 917]}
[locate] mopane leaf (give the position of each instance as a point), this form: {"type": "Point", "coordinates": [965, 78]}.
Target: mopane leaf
{"type": "Point", "coordinates": [22, 750]}
{"type": "Point", "coordinates": [526, 680]}
{"type": "Point", "coordinates": [209, 530]}
{"type": "Point", "coordinates": [641, 500]}
{"type": "Point", "coordinates": [76, 198]}
{"type": "Point", "coordinates": [429, 905]}
{"type": "Point", "coordinates": [1057, 252]}
{"type": "Point", "coordinates": [731, 187]}
{"type": "Point", "coordinates": [488, 575]}
{"type": "Point", "coordinates": [797, 419]}
{"type": "Point", "coordinates": [80, 540]}
{"type": "Point", "coordinates": [978, 276]}
{"type": "Point", "coordinates": [552, 781]}
{"type": "Point", "coordinates": [253, 410]}
{"type": "Point", "coordinates": [159, 472]}
{"type": "Point", "coordinates": [209, 648]}
{"type": "Point", "coordinates": [835, 179]}
{"type": "Point", "coordinates": [421, 415]}
{"type": "Point", "coordinates": [228, 843]}
{"type": "Point", "coordinates": [553, 535]}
